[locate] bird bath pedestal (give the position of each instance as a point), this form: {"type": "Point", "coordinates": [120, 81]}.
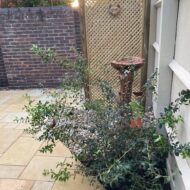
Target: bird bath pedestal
{"type": "Point", "coordinates": [126, 68]}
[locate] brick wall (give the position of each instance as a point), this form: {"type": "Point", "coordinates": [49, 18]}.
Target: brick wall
{"type": "Point", "coordinates": [3, 76]}
{"type": "Point", "coordinates": [78, 31]}
{"type": "Point", "coordinates": [53, 27]}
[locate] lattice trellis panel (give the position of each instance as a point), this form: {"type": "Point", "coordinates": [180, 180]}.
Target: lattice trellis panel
{"type": "Point", "coordinates": [111, 37]}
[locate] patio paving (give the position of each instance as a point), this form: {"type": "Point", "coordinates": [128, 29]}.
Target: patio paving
{"type": "Point", "coordinates": [21, 163]}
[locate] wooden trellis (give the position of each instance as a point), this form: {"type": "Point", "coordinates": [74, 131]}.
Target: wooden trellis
{"type": "Point", "coordinates": [112, 29]}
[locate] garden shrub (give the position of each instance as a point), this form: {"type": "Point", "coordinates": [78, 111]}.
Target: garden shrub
{"type": "Point", "coordinates": [99, 134]}
{"type": "Point", "coordinates": [33, 3]}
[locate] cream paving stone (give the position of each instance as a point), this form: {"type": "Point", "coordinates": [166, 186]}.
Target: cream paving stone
{"type": "Point", "coordinates": [14, 108]}
{"type": "Point", "coordinates": [15, 99]}
{"type": "Point", "coordinates": [12, 116]}
{"type": "Point", "coordinates": [3, 115]}
{"type": "Point", "coordinates": [44, 99]}
{"type": "Point", "coordinates": [76, 183]}
{"type": "Point", "coordinates": [21, 164]}
{"type": "Point", "coordinates": [9, 117]}
{"type": "Point", "coordinates": [7, 137]}
{"type": "Point", "coordinates": [2, 108]}
{"type": "Point", "coordinates": [59, 150]}
{"type": "Point", "coordinates": [12, 184]}
{"type": "Point", "coordinates": [1, 124]}
{"type": "Point", "coordinates": [10, 171]}
{"type": "Point", "coordinates": [22, 126]}
{"type": "Point", "coordinates": [24, 134]}
{"type": "Point", "coordinates": [4, 99]}
{"type": "Point", "coordinates": [37, 165]}
{"type": "Point", "coordinates": [35, 93]}
{"type": "Point", "coordinates": [11, 125]}
{"type": "Point", "coordinates": [21, 152]}
{"type": "Point", "coordinates": [41, 185]}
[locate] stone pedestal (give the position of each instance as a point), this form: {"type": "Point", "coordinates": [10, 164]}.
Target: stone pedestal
{"type": "Point", "coordinates": [126, 68]}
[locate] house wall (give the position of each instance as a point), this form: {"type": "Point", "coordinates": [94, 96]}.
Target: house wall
{"type": "Point", "coordinates": [169, 52]}
{"type": "Point", "coordinates": [182, 57]}
{"type": "Point", "coordinates": [181, 80]}
{"type": "Point", "coordinates": [48, 27]}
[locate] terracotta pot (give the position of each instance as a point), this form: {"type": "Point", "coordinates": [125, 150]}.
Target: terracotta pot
{"type": "Point", "coordinates": [136, 123]}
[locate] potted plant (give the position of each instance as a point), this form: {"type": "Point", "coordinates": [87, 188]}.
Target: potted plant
{"type": "Point", "coordinates": [137, 114]}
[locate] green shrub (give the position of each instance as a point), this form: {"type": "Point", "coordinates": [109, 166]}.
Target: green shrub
{"type": "Point", "coordinates": [99, 134]}
{"type": "Point", "coordinates": [34, 3]}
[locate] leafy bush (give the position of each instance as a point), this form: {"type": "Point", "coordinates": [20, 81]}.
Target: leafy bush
{"type": "Point", "coordinates": [34, 3]}
{"type": "Point", "coordinates": [100, 136]}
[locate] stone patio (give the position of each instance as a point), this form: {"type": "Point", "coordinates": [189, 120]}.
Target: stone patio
{"type": "Point", "coordinates": [21, 163]}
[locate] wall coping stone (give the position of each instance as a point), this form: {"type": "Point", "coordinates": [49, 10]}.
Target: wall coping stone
{"type": "Point", "coordinates": [35, 9]}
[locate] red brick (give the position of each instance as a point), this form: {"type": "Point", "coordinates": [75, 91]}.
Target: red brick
{"type": "Point", "coordinates": [56, 28]}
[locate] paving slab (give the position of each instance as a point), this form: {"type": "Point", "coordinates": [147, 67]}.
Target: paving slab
{"type": "Point", "coordinates": [12, 184]}
{"type": "Point", "coordinates": [21, 163]}
{"type": "Point", "coordinates": [21, 152]}
{"type": "Point", "coordinates": [7, 138]}
{"type": "Point", "coordinates": [59, 150]}
{"type": "Point", "coordinates": [76, 183]}
{"type": "Point", "coordinates": [9, 125]}
{"type": "Point", "coordinates": [37, 166]}
{"type": "Point", "coordinates": [10, 171]}
{"type": "Point", "coordinates": [41, 185]}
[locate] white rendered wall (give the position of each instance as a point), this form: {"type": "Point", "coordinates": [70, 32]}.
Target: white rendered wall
{"type": "Point", "coordinates": [182, 57]}
{"type": "Point", "coordinates": [169, 51]}
{"type": "Point", "coordinates": [181, 80]}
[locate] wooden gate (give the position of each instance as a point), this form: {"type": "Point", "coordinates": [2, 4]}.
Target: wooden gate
{"type": "Point", "coordinates": [113, 29]}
